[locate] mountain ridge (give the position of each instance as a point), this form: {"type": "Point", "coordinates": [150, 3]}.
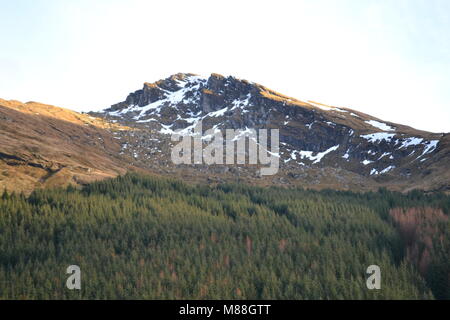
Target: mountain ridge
{"type": "Point", "coordinates": [321, 146]}
{"type": "Point", "coordinates": [307, 127]}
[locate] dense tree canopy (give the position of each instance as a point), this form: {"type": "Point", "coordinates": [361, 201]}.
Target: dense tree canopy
{"type": "Point", "coordinates": [152, 238]}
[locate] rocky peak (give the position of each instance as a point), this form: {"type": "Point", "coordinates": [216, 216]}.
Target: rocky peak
{"type": "Point", "coordinates": [313, 135]}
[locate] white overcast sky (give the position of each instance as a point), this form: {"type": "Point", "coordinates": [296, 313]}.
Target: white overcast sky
{"type": "Point", "coordinates": [388, 58]}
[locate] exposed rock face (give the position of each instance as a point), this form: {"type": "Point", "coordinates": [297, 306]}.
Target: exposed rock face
{"type": "Point", "coordinates": [320, 146]}
{"type": "Point", "coordinates": [313, 136]}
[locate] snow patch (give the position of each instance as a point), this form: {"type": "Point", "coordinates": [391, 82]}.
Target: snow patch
{"type": "Point", "coordinates": [241, 104]}
{"type": "Point", "coordinates": [218, 113]}
{"type": "Point", "coordinates": [412, 141]}
{"type": "Point", "coordinates": [378, 137]}
{"type": "Point", "coordinates": [430, 147]}
{"type": "Point", "coordinates": [317, 158]}
{"type": "Point", "coordinates": [380, 125]}
{"type": "Point", "coordinates": [346, 155]}
{"type": "Point", "coordinates": [387, 169]}
{"type": "Point", "coordinates": [384, 155]}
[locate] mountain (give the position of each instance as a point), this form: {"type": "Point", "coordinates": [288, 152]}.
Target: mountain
{"type": "Point", "coordinates": [321, 146]}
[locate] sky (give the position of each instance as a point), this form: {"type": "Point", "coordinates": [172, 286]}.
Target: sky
{"type": "Point", "coordinates": [387, 58]}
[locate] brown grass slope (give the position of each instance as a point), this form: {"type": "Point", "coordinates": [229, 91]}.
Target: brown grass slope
{"type": "Point", "coordinates": [46, 146]}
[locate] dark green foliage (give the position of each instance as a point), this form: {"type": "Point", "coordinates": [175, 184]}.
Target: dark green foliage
{"type": "Point", "coordinates": [438, 275]}
{"type": "Point", "coordinates": [149, 238]}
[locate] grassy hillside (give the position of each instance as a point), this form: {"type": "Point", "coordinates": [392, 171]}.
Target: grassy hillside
{"type": "Point", "coordinates": [150, 238]}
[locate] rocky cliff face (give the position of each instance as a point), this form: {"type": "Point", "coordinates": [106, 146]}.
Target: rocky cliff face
{"type": "Point", "coordinates": [320, 145]}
